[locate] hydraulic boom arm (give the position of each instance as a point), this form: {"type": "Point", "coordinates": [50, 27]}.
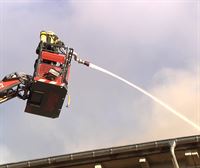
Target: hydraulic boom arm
{"type": "Point", "coordinates": [15, 85]}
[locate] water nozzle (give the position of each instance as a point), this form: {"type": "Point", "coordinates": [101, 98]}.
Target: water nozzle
{"type": "Point", "coordinates": [87, 63]}
{"type": "Point", "coordinates": [80, 61]}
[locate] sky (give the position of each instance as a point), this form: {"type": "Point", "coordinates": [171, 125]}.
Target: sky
{"type": "Point", "coordinates": [152, 43]}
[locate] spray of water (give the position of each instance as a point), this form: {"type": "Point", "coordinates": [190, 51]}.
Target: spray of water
{"type": "Point", "coordinates": [176, 113]}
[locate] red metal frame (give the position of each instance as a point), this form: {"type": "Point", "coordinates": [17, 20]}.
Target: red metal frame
{"type": "Point", "coordinates": [43, 68]}
{"type": "Point", "coordinates": [53, 57]}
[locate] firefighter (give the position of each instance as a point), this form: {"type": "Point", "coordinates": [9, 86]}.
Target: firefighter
{"type": "Point", "coordinates": [49, 41]}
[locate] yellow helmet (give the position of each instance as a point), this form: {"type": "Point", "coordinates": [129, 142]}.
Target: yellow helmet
{"type": "Point", "coordinates": [48, 37]}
